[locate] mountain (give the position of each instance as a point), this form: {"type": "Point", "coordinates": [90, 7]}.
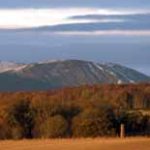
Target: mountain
{"type": "Point", "coordinates": [64, 73]}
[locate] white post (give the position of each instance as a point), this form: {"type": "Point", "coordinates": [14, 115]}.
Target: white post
{"type": "Point", "coordinates": [122, 131]}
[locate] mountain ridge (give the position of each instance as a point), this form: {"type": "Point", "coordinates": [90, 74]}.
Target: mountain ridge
{"type": "Point", "coordinates": [64, 73]}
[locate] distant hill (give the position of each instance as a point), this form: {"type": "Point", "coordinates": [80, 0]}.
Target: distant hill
{"type": "Point", "coordinates": [64, 73]}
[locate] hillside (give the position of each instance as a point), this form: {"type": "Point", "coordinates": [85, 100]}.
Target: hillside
{"type": "Point", "coordinates": [64, 73]}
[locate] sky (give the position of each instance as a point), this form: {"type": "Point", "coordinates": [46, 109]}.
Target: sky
{"type": "Point", "coordinates": [115, 31]}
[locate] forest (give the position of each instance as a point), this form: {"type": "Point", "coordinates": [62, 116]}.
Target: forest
{"type": "Point", "coordinates": [85, 111]}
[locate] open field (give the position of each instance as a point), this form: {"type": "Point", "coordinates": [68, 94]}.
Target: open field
{"type": "Point", "coordinates": [78, 144]}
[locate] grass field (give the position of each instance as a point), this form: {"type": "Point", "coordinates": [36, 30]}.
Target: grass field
{"type": "Point", "coordinates": [78, 144]}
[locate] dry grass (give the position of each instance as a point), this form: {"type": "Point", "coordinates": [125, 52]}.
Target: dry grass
{"type": "Point", "coordinates": [78, 144]}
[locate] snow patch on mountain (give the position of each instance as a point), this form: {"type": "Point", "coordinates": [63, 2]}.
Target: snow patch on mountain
{"type": "Point", "coordinates": [92, 69]}
{"type": "Point", "coordinates": [112, 73]}
{"type": "Point", "coordinates": [51, 61]}
{"type": "Point", "coordinates": [98, 66]}
{"type": "Point", "coordinates": [120, 82]}
{"type": "Point", "coordinates": [10, 66]}
{"type": "Point", "coordinates": [131, 81]}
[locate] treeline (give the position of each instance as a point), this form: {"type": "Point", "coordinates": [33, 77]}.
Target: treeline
{"type": "Point", "coordinates": [86, 111]}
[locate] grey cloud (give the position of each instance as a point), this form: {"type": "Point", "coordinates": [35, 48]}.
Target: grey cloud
{"type": "Point", "coordinates": [130, 22]}
{"type": "Point", "coordinates": [128, 25]}
{"type": "Point", "coordinates": [132, 17]}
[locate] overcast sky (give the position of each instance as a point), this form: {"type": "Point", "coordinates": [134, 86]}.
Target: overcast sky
{"type": "Point", "coordinates": [100, 30]}
{"type": "Point", "coordinates": [72, 3]}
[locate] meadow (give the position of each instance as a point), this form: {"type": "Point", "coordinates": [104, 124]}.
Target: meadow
{"type": "Point", "coordinates": [78, 144]}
